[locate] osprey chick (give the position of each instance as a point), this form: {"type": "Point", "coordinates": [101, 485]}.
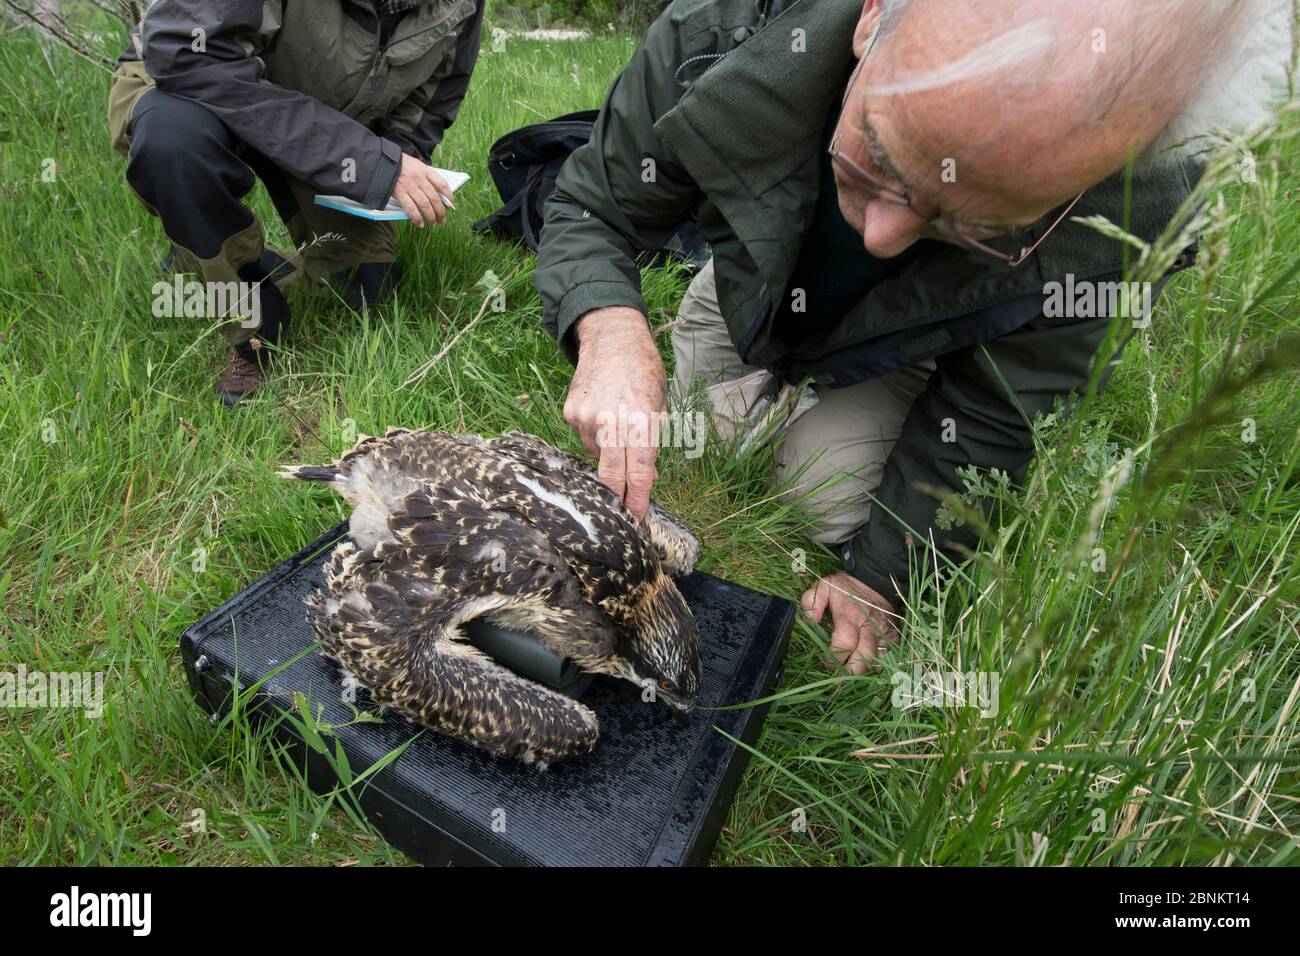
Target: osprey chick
{"type": "Point", "coordinates": [447, 528]}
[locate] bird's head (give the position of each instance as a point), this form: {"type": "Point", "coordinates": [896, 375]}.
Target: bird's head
{"type": "Point", "coordinates": [662, 645]}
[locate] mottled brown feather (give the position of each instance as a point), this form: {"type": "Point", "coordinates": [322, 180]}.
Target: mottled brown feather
{"type": "Point", "coordinates": [452, 527]}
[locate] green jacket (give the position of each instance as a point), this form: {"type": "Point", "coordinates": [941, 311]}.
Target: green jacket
{"type": "Point", "coordinates": [729, 99]}
{"type": "Point", "coordinates": [313, 85]}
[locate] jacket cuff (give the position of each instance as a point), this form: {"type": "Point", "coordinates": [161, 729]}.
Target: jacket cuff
{"type": "Point", "coordinates": [384, 180]}
{"type": "Point", "coordinates": [406, 143]}
{"type": "Point", "coordinates": [582, 299]}
{"type": "Point", "coordinates": [861, 562]}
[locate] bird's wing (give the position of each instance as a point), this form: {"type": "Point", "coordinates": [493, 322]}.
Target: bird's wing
{"type": "Point", "coordinates": [492, 551]}
{"type": "Point", "coordinates": [595, 536]}
{"type": "Point", "coordinates": [393, 616]}
{"type": "Point", "coordinates": [677, 547]}
{"type": "Point", "coordinates": [583, 521]}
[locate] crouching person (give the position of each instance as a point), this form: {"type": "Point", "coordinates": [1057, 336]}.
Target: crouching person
{"type": "Point", "coordinates": [891, 190]}
{"type": "Point", "coordinates": [345, 97]}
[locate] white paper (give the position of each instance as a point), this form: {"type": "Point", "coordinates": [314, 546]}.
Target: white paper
{"type": "Point", "coordinates": [393, 211]}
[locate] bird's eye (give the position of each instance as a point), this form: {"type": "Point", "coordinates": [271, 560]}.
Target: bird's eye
{"type": "Point", "coordinates": [665, 685]}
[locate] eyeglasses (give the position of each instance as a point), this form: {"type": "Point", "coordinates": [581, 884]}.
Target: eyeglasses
{"type": "Point", "coordinates": [963, 236]}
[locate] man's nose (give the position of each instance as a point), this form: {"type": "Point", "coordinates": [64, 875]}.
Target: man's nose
{"type": "Point", "coordinates": [888, 228]}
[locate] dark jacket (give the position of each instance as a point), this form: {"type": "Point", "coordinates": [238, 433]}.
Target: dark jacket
{"type": "Point", "coordinates": [729, 98]}
{"type": "Point", "coordinates": [307, 84]}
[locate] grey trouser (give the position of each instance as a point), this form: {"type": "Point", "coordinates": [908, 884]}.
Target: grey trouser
{"type": "Point", "coordinates": [833, 456]}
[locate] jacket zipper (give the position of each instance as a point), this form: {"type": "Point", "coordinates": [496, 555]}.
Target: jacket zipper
{"type": "Point", "coordinates": [374, 70]}
{"type": "Point", "coordinates": [379, 50]}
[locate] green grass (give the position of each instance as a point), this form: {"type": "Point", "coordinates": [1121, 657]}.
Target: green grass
{"type": "Point", "coordinates": [1148, 710]}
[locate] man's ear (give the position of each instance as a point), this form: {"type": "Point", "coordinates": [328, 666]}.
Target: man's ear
{"type": "Point", "coordinates": [866, 26]}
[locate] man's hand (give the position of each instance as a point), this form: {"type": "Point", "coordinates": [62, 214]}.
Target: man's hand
{"type": "Point", "coordinates": [861, 619]}
{"type": "Point", "coordinates": [419, 191]}
{"type": "Point", "coordinates": [619, 379]}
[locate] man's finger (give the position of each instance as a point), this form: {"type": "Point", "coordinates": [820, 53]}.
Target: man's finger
{"type": "Point", "coordinates": [581, 424]}
{"type": "Point", "coordinates": [844, 641]}
{"type": "Point", "coordinates": [409, 207]}
{"type": "Point", "coordinates": [419, 202]}
{"type": "Point", "coordinates": [640, 479]}
{"type": "Point", "coordinates": [612, 470]}
{"type": "Point", "coordinates": [815, 599]}
{"type": "Point", "coordinates": [439, 184]}
{"type": "Point", "coordinates": [436, 208]}
{"type": "Point", "coordinates": [429, 188]}
{"type": "Point", "coordinates": [867, 651]}
{"type": "Point", "coordinates": [887, 637]}
{"type": "Point", "coordinates": [426, 206]}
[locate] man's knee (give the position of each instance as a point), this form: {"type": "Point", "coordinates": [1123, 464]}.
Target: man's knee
{"type": "Point", "coordinates": [699, 305]}
{"type": "Point", "coordinates": [179, 145]}
{"type": "Point", "coordinates": [832, 494]}
{"type": "Point", "coordinates": [184, 166]}
{"type": "Point", "coordinates": [832, 459]}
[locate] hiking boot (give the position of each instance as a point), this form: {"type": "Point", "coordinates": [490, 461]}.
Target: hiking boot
{"type": "Point", "coordinates": [246, 361]}
{"type": "Point", "coordinates": [240, 379]}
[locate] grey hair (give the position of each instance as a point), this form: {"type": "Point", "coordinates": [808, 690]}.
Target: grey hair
{"type": "Point", "coordinates": [1237, 88]}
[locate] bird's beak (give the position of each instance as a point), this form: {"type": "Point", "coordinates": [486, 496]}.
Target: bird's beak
{"type": "Point", "coordinates": [679, 707]}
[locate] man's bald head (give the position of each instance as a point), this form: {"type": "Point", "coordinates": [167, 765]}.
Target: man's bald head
{"type": "Point", "coordinates": [1028, 102]}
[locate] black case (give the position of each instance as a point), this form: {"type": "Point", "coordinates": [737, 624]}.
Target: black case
{"type": "Point", "coordinates": [654, 793]}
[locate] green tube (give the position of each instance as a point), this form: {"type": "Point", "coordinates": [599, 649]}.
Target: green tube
{"type": "Point", "coordinates": [522, 653]}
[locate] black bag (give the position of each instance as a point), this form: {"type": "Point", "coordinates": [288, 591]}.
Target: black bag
{"type": "Point", "coordinates": [524, 164]}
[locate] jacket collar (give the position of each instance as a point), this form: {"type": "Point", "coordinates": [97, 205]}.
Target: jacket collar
{"type": "Point", "coordinates": [418, 30]}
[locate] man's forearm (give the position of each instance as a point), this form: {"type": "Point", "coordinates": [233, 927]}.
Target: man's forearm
{"type": "Point", "coordinates": [613, 319]}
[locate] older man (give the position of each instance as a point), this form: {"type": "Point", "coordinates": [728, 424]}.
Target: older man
{"type": "Point", "coordinates": [889, 189]}
{"type": "Point", "coordinates": [347, 97]}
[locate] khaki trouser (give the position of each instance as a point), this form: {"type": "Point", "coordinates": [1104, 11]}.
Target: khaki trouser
{"type": "Point", "coordinates": [832, 457]}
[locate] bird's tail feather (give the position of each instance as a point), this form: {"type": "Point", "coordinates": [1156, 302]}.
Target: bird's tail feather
{"type": "Point", "coordinates": [309, 472]}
